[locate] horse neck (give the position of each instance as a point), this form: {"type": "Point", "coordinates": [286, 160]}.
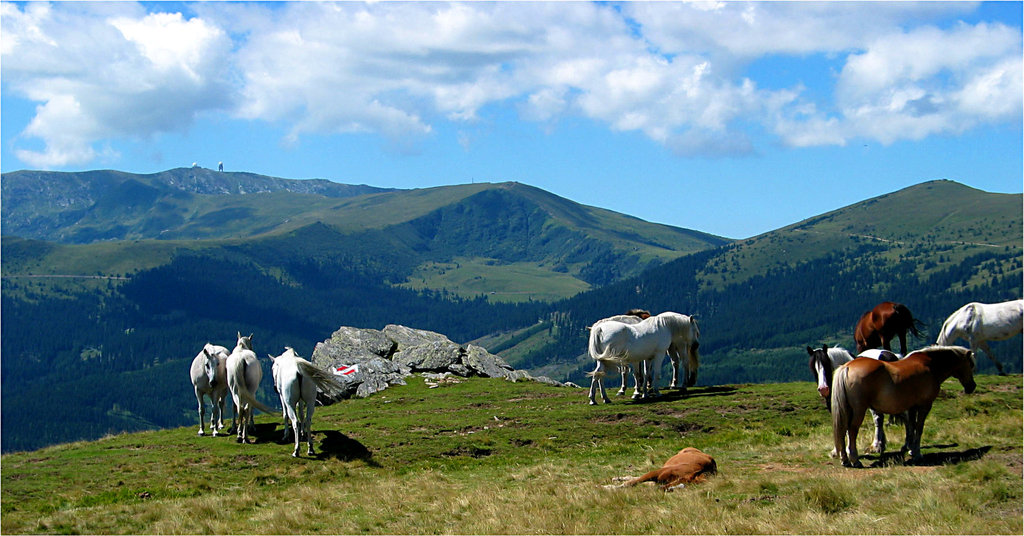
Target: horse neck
{"type": "Point", "coordinates": [837, 356]}
{"type": "Point", "coordinates": [941, 363]}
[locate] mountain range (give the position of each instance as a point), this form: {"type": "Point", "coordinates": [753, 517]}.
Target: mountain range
{"type": "Point", "coordinates": [113, 281]}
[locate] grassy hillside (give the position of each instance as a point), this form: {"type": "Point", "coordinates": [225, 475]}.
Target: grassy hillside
{"type": "Point", "coordinates": [928, 227]}
{"type": "Point", "coordinates": [489, 456]}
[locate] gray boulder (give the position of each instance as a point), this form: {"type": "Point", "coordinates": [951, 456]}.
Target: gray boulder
{"type": "Point", "coordinates": [369, 361]}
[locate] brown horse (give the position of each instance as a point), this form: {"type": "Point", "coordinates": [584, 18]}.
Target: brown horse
{"type": "Point", "coordinates": [910, 384]}
{"type": "Point", "coordinates": [689, 465]}
{"type": "Point", "coordinates": [880, 325]}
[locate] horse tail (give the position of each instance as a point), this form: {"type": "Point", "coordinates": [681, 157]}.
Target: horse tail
{"type": "Point", "coordinates": [242, 389]}
{"type": "Point", "coordinates": [324, 381]}
{"type": "Point", "coordinates": [911, 322]}
{"type": "Point", "coordinates": [840, 406]}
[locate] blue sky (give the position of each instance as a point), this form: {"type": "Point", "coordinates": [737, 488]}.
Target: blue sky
{"type": "Point", "coordinates": [732, 118]}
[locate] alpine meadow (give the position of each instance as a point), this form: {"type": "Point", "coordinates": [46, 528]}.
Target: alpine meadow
{"type": "Point", "coordinates": [113, 281]}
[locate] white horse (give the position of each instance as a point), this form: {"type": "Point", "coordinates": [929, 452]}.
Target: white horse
{"type": "Point", "coordinates": [632, 317]}
{"type": "Point", "coordinates": [979, 323]}
{"type": "Point", "coordinates": [823, 365]}
{"type": "Point", "coordinates": [209, 378]}
{"type": "Point", "coordinates": [615, 344]}
{"type": "Point", "coordinates": [296, 381]}
{"type": "Point", "coordinates": [244, 375]}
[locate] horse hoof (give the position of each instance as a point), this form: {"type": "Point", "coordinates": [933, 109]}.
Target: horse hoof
{"type": "Point", "coordinates": [593, 403]}
{"type": "Point", "coordinates": [201, 433]}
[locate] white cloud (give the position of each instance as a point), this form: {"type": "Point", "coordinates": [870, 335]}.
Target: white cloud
{"type": "Point", "coordinates": [107, 74]}
{"type": "Point", "coordinates": [672, 71]}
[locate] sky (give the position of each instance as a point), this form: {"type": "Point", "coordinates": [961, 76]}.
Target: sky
{"type": "Point", "coordinates": [731, 118]}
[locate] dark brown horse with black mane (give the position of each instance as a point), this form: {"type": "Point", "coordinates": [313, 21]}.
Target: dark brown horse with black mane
{"type": "Point", "coordinates": [879, 326]}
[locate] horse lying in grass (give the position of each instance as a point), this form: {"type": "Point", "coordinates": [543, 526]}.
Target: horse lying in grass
{"type": "Point", "coordinates": [689, 465]}
{"type": "Point", "coordinates": [244, 375]}
{"type": "Point", "coordinates": [614, 344]}
{"type": "Point", "coordinates": [823, 364]}
{"type": "Point", "coordinates": [979, 323]}
{"type": "Point", "coordinates": [296, 382]}
{"type": "Point", "coordinates": [908, 385]}
{"type": "Point", "coordinates": [209, 379]}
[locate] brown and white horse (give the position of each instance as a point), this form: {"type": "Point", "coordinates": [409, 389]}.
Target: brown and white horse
{"type": "Point", "coordinates": [910, 384]}
{"type": "Point", "coordinates": [879, 326]}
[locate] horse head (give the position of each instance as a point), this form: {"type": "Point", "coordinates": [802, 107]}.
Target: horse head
{"type": "Point", "coordinates": [244, 342]}
{"type": "Point", "coordinates": [821, 369]}
{"type": "Point", "coordinates": [964, 372]}
{"type": "Point", "coordinates": [210, 366]}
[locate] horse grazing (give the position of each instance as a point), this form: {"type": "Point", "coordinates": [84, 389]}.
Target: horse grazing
{"type": "Point", "coordinates": [209, 379]}
{"type": "Point", "coordinates": [296, 382]}
{"type": "Point", "coordinates": [615, 344]}
{"type": "Point", "coordinates": [823, 364]}
{"type": "Point", "coordinates": [910, 384]}
{"type": "Point", "coordinates": [880, 325]}
{"type": "Point", "coordinates": [689, 465]}
{"type": "Point", "coordinates": [244, 375]}
{"type": "Point", "coordinates": [632, 316]}
{"type": "Point", "coordinates": [979, 323]}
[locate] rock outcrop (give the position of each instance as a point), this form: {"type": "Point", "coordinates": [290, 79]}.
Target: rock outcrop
{"type": "Point", "coordinates": [369, 360]}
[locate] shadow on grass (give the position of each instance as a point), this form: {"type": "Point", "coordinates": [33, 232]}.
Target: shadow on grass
{"type": "Point", "coordinates": [339, 446]}
{"type": "Point", "coordinates": [929, 459]}
{"type": "Point", "coordinates": [671, 395]}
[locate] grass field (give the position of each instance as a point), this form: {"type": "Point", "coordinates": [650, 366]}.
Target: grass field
{"type": "Point", "coordinates": [488, 456]}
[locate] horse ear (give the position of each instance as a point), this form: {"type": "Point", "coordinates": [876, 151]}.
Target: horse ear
{"type": "Point", "coordinates": [239, 334]}
{"type": "Point", "coordinates": [810, 350]}
{"type": "Point", "coordinates": [824, 347]}
{"type": "Point", "coordinates": [250, 336]}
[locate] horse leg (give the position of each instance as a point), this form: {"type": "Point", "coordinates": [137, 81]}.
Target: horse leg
{"type": "Point", "coordinates": [879, 444]}
{"type": "Point", "coordinates": [202, 411]}
{"type": "Point", "coordinates": [920, 414]}
{"type": "Point", "coordinates": [597, 381]}
{"type": "Point", "coordinates": [676, 363]}
{"type": "Point", "coordinates": [856, 419]}
{"type": "Point", "coordinates": [234, 417]}
{"type": "Point", "coordinates": [218, 409]}
{"type": "Point", "coordinates": [641, 380]}
{"type": "Point", "coordinates": [903, 343]}
{"type": "Point", "coordinates": [624, 372]}
{"type": "Point", "coordinates": [988, 351]}
{"type": "Point", "coordinates": [655, 373]}
{"type": "Point", "coordinates": [308, 427]}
